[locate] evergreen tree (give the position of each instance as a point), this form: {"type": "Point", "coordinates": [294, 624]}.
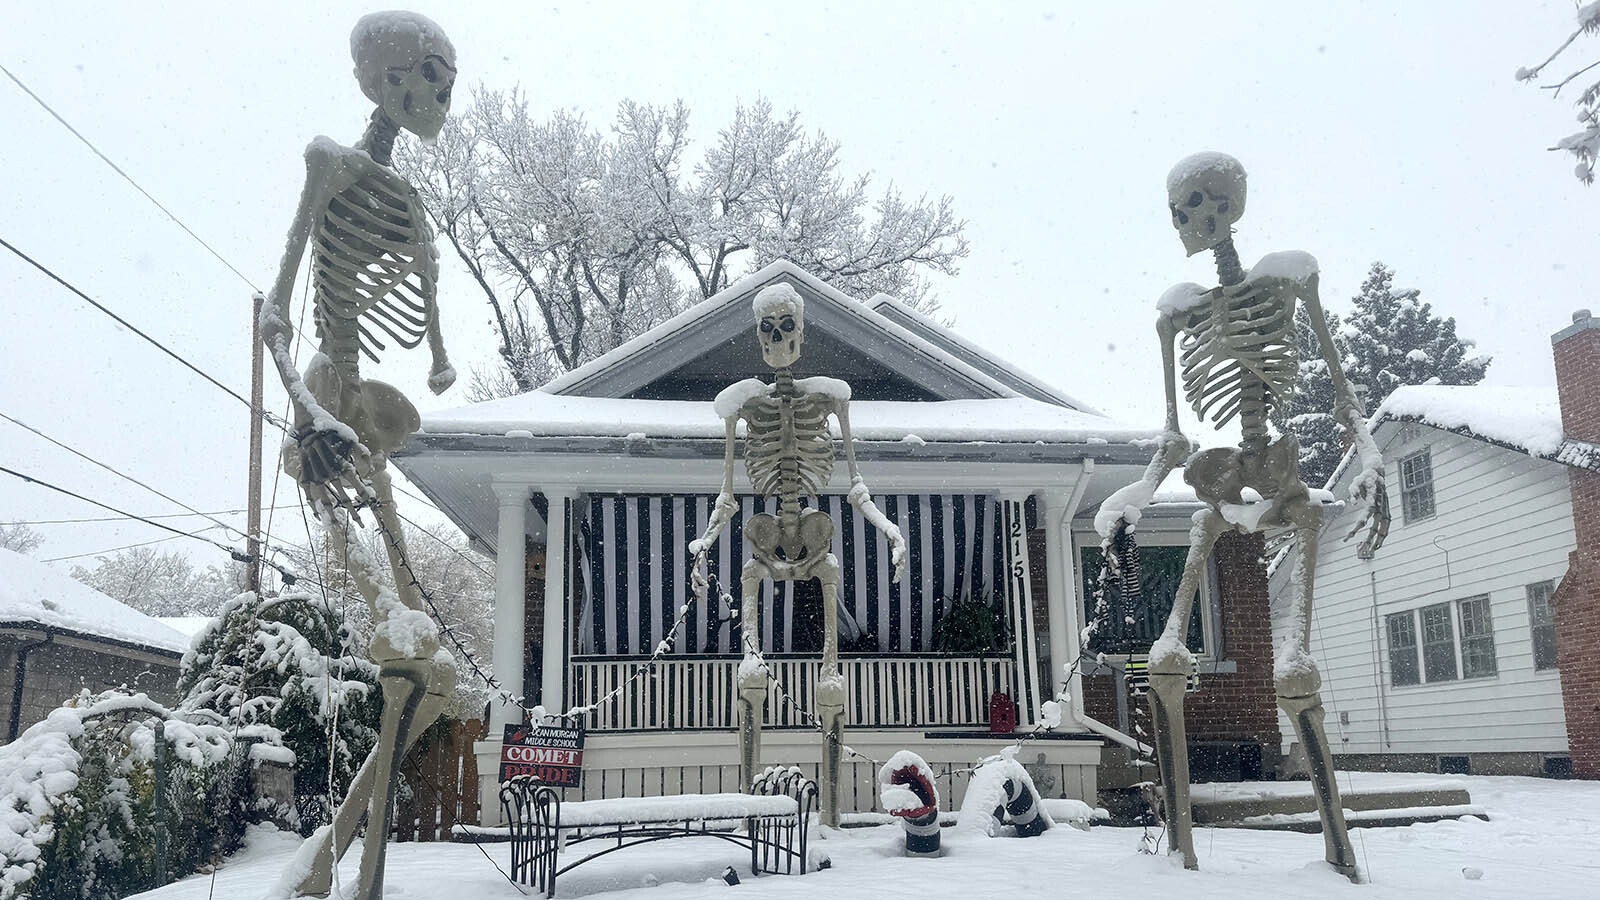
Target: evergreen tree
{"type": "Point", "coordinates": [284, 671]}
{"type": "Point", "coordinates": [1390, 338]}
{"type": "Point", "coordinates": [1309, 413]}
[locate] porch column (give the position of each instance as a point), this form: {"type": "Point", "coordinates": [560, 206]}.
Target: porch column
{"type": "Point", "coordinates": [553, 688]}
{"type": "Point", "coordinates": [510, 590]}
{"type": "Point", "coordinates": [1064, 589]}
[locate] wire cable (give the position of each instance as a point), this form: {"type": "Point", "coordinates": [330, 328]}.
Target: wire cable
{"type": "Point", "coordinates": [129, 178]}
{"type": "Point", "coordinates": [270, 418]}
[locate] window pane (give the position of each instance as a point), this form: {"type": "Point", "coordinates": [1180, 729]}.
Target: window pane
{"type": "Point", "coordinates": [1438, 643]}
{"type": "Point", "coordinates": [1542, 618]}
{"type": "Point", "coordinates": [1403, 649]}
{"type": "Point", "coordinates": [1160, 569]}
{"type": "Point", "coordinates": [1477, 638]}
{"type": "Point", "coordinates": [1416, 486]}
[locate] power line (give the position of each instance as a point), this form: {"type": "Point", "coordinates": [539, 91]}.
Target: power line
{"type": "Point", "coordinates": [268, 417]}
{"type": "Point", "coordinates": [129, 178]}
{"type": "Point", "coordinates": [170, 537]}
{"type": "Point", "coordinates": [80, 521]}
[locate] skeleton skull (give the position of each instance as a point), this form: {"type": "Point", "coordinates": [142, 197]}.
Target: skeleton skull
{"type": "Point", "coordinates": [780, 324]}
{"type": "Point", "coordinates": [406, 65]}
{"type": "Point", "coordinates": [1205, 193]}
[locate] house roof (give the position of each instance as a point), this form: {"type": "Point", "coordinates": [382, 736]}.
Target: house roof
{"type": "Point", "coordinates": [1527, 419]}
{"type": "Point", "coordinates": [33, 595]}
{"type": "Point", "coordinates": [924, 351]}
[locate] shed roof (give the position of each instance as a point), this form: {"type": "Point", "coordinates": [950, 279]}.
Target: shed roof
{"type": "Point", "coordinates": [34, 595]}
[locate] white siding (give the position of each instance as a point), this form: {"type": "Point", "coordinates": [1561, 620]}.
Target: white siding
{"type": "Point", "coordinates": [1503, 521]}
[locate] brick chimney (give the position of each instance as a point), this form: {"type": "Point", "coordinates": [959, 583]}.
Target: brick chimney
{"type": "Point", "coordinates": [1577, 599]}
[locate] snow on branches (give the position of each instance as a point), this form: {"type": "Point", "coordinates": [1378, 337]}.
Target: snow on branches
{"type": "Point", "coordinates": [1584, 143]}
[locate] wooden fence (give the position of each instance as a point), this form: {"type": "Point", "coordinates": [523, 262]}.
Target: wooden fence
{"type": "Point", "coordinates": [441, 783]}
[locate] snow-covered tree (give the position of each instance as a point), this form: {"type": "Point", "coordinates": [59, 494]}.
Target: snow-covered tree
{"type": "Point", "coordinates": [1309, 413]}
{"type": "Point", "coordinates": [581, 238]}
{"type": "Point", "coordinates": [286, 672]}
{"type": "Point", "coordinates": [19, 538]}
{"type": "Point", "coordinates": [1392, 337]}
{"type": "Point", "coordinates": [1584, 143]}
{"type": "Point", "coordinates": [160, 583]}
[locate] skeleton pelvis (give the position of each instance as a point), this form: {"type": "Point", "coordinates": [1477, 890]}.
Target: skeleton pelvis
{"type": "Point", "coordinates": [1221, 474]}
{"type": "Point", "coordinates": [795, 549]}
{"type": "Point", "coordinates": [380, 415]}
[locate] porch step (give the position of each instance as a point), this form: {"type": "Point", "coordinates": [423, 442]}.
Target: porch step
{"type": "Point", "coordinates": [1283, 807]}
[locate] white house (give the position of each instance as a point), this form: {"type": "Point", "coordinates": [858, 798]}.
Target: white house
{"type": "Point", "coordinates": [588, 490]}
{"type": "Point", "coordinates": [1443, 651]}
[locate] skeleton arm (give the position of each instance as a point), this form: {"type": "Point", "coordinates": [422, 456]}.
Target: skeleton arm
{"type": "Point", "coordinates": [861, 498]}
{"type": "Point", "coordinates": [1367, 488]}
{"type": "Point", "coordinates": [1124, 504]}
{"type": "Point", "coordinates": [721, 514]}
{"type": "Point", "coordinates": [442, 374]}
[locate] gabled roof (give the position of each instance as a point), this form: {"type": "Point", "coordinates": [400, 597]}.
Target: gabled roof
{"type": "Point", "coordinates": [923, 351]}
{"type": "Point", "coordinates": [33, 595]}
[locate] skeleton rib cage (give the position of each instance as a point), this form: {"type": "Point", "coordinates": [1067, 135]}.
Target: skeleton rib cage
{"type": "Point", "coordinates": [1234, 346]}
{"type": "Point", "coordinates": [372, 269]}
{"type": "Point", "coordinates": [773, 472]}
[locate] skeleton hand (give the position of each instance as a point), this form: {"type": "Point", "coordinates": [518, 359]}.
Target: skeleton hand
{"type": "Point", "coordinates": [1369, 491]}
{"type": "Point", "coordinates": [441, 376]}
{"type": "Point", "coordinates": [328, 469]}
{"type": "Point", "coordinates": [897, 554]}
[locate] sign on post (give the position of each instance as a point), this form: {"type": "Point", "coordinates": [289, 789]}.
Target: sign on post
{"type": "Point", "coordinates": [547, 754]}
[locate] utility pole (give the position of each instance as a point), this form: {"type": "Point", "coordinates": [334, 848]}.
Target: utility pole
{"type": "Point", "coordinates": [253, 516]}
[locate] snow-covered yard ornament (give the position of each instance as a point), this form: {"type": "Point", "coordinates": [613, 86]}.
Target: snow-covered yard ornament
{"type": "Point", "coordinates": [1233, 347]}
{"type": "Point", "coordinates": [788, 454]}
{"type": "Point", "coordinates": [373, 271]}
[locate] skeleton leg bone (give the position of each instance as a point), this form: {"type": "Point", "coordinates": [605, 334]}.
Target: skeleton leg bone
{"type": "Point", "coordinates": [1170, 666]}
{"type": "Point", "coordinates": [752, 678]}
{"type": "Point", "coordinates": [1298, 684]}
{"type": "Point", "coordinates": [830, 690]}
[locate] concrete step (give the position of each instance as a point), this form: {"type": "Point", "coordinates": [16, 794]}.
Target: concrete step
{"type": "Point", "coordinates": [1293, 807]}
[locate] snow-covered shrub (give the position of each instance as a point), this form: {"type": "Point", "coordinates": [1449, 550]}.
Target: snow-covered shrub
{"type": "Point", "coordinates": [281, 673]}
{"type": "Point", "coordinates": [79, 811]}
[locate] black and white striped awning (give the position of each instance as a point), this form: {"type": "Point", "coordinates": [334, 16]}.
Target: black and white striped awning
{"type": "Point", "coordinates": [632, 570]}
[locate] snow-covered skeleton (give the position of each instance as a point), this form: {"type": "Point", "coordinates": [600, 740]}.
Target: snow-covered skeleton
{"type": "Point", "coordinates": [1236, 345]}
{"type": "Point", "coordinates": [788, 454]}
{"type": "Point", "coordinates": [373, 266]}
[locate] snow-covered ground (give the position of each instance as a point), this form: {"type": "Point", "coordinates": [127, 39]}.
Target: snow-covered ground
{"type": "Point", "coordinates": [1543, 841]}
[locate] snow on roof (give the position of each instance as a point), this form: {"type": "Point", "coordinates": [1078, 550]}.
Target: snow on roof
{"type": "Point", "coordinates": [1008, 420]}
{"type": "Point", "coordinates": [1528, 418]}
{"type": "Point", "coordinates": [188, 626]}
{"type": "Point", "coordinates": [32, 593]}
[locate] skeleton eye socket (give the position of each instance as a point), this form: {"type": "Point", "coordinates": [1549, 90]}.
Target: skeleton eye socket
{"type": "Point", "coordinates": [787, 324]}
{"type": "Point", "coordinates": [1195, 200]}
{"type": "Point", "coordinates": [765, 326]}
{"type": "Point", "coordinates": [430, 71]}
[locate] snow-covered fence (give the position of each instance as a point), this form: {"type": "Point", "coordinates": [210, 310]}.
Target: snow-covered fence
{"type": "Point", "coordinates": [441, 778]}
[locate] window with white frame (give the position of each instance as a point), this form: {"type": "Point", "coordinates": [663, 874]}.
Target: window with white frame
{"type": "Point", "coordinates": [1136, 622]}
{"type": "Point", "coordinates": [1416, 486]}
{"type": "Point", "coordinates": [1541, 616]}
{"type": "Point", "coordinates": [1438, 643]}
{"type": "Point", "coordinates": [1477, 637]}
{"type": "Point", "coordinates": [1403, 669]}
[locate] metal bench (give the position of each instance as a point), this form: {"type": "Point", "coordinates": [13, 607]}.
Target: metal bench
{"type": "Point", "coordinates": [772, 821]}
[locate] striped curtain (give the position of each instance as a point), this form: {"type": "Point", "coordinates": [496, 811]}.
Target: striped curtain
{"type": "Point", "coordinates": [633, 570]}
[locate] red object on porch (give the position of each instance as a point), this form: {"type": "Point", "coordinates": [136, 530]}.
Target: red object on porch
{"type": "Point", "coordinates": [1002, 713]}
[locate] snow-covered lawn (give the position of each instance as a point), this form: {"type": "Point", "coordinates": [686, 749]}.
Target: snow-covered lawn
{"type": "Point", "coordinates": [1543, 841]}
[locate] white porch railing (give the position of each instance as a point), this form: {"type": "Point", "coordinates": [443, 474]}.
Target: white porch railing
{"type": "Point", "coordinates": [887, 692]}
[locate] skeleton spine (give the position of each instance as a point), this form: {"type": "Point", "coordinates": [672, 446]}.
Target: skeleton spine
{"type": "Point", "coordinates": [789, 464]}
{"type": "Point", "coordinates": [378, 140]}
{"type": "Point", "coordinates": [1253, 408]}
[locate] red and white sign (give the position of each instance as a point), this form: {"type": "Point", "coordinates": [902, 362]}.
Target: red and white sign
{"type": "Point", "coordinates": [544, 753]}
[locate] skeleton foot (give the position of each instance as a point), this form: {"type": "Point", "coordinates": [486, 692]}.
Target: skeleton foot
{"type": "Point", "coordinates": [1172, 755]}
{"type": "Point", "coordinates": [1307, 715]}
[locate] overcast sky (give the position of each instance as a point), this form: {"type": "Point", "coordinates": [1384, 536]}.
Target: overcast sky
{"type": "Point", "coordinates": [1371, 131]}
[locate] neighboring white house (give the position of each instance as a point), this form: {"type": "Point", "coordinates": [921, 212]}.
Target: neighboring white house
{"type": "Point", "coordinates": [1440, 653]}
{"type": "Point", "coordinates": [59, 636]}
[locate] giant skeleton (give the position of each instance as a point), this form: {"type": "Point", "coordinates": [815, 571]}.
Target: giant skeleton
{"type": "Point", "coordinates": [788, 454]}
{"type": "Point", "coordinates": [373, 267]}
{"type": "Point", "coordinates": [1236, 346]}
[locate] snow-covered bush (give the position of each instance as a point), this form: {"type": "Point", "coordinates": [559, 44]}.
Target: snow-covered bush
{"type": "Point", "coordinates": [283, 673]}
{"type": "Point", "coordinates": [79, 811]}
